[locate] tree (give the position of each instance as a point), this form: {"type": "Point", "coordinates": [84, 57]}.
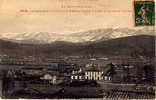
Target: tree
{"type": "Point", "coordinates": [149, 74]}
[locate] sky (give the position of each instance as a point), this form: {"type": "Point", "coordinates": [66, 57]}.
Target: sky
{"type": "Point", "coordinates": [14, 21]}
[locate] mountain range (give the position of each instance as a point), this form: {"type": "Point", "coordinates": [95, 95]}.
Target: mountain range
{"type": "Point", "coordinates": [79, 37]}
{"type": "Point", "coordinates": [143, 45]}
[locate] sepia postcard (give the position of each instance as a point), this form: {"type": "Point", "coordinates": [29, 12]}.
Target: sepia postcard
{"type": "Point", "coordinates": [77, 49]}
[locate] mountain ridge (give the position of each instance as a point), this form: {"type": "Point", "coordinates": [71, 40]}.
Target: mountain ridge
{"type": "Point", "coordinates": [79, 37]}
{"type": "Point", "coordinates": [143, 45]}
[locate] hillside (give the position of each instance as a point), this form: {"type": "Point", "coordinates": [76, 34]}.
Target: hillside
{"type": "Point", "coordinates": [132, 45]}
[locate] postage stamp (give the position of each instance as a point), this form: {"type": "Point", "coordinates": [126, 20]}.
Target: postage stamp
{"type": "Point", "coordinates": [144, 13]}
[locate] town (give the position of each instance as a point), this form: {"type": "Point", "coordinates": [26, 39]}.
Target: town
{"type": "Point", "coordinates": [59, 77]}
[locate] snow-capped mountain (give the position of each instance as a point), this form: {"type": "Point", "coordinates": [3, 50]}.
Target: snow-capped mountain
{"type": "Point", "coordinates": [91, 35]}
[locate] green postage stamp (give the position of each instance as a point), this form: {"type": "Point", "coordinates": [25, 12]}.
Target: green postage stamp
{"type": "Point", "coordinates": [144, 13]}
